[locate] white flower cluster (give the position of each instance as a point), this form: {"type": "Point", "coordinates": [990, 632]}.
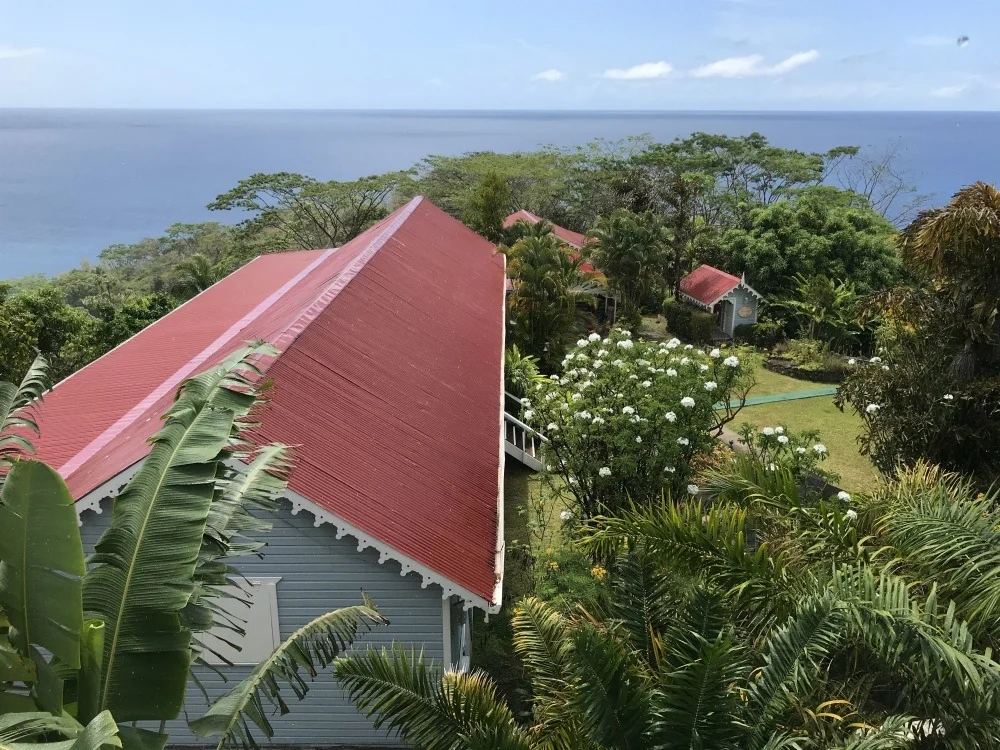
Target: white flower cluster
{"type": "Point", "coordinates": [731, 361]}
{"type": "Point", "coordinates": [687, 402]}
{"type": "Point", "coordinates": [604, 471]}
{"type": "Point", "coordinates": [871, 408]}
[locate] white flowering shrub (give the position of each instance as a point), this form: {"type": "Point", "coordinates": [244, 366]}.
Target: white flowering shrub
{"type": "Point", "coordinates": [627, 417]}
{"type": "Point", "coordinates": [777, 447]}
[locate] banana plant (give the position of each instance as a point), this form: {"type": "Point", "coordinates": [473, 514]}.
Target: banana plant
{"type": "Point", "coordinates": [79, 648]}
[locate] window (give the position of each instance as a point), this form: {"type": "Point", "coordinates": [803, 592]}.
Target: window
{"type": "Point", "coordinates": [262, 632]}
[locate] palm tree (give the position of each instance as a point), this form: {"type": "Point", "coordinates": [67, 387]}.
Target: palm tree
{"type": "Point", "coordinates": [549, 296]}
{"type": "Point", "coordinates": [771, 618]}
{"type": "Point", "coordinates": [195, 274]}
{"type": "Point", "coordinates": [629, 249]}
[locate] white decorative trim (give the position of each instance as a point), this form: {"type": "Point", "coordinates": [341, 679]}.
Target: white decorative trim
{"type": "Point", "coordinates": [386, 552]}
{"type": "Point", "coordinates": [93, 499]}
{"type": "Point", "coordinates": [696, 302]}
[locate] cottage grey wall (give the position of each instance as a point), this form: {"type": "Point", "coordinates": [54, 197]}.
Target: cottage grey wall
{"type": "Point", "coordinates": [318, 573]}
{"type": "Point", "coordinates": [740, 297]}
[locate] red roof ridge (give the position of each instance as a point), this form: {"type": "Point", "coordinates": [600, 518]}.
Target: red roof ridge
{"type": "Point", "coordinates": [182, 372]}
{"type": "Point", "coordinates": [281, 341]}
{"type": "Point", "coordinates": [292, 332]}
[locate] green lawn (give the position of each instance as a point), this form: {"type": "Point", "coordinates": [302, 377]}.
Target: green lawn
{"type": "Point", "coordinates": [769, 383]}
{"type": "Point", "coordinates": [838, 431]}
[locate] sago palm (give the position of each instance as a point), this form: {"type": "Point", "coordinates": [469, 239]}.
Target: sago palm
{"type": "Point", "coordinates": [772, 618]}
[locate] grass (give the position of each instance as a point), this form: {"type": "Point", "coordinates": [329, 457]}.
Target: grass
{"type": "Point", "coordinates": [770, 383]}
{"type": "Point", "coordinates": [838, 431]}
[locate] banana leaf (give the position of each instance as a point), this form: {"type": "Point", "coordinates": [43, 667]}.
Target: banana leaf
{"type": "Point", "coordinates": [41, 563]}
{"type": "Point", "coordinates": [144, 564]}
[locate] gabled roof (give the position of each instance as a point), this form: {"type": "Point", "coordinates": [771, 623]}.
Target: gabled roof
{"type": "Point", "coordinates": [708, 285]}
{"type": "Point", "coordinates": [571, 238]}
{"type": "Point", "coordinates": [389, 380]}
{"type": "Point", "coordinates": [574, 239]}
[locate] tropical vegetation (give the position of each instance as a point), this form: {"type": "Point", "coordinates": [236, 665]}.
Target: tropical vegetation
{"type": "Point", "coordinates": [92, 650]}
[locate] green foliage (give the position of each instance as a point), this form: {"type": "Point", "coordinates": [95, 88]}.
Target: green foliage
{"type": "Point", "coordinates": [312, 647]}
{"type": "Point", "coordinates": [800, 453]}
{"type": "Point", "coordinates": [809, 235]}
{"type": "Point", "coordinates": [547, 305]}
{"type": "Point", "coordinates": [488, 205]}
{"type": "Point", "coordinates": [763, 334]}
{"type": "Point", "coordinates": [536, 180]}
{"type": "Point", "coordinates": [118, 321]}
{"type": "Point", "coordinates": [520, 371]}
{"type": "Point", "coordinates": [824, 309]}
{"type": "Point", "coordinates": [809, 354]}
{"type": "Point", "coordinates": [629, 250]}
{"type": "Point", "coordinates": [16, 421]}
{"type": "Point", "coordinates": [449, 711]}
{"type": "Point", "coordinates": [292, 211]}
{"type": "Point", "coordinates": [769, 618]}
{"type": "Point", "coordinates": [627, 418]}
{"type": "Point", "coordinates": [932, 391]}
{"type": "Point", "coordinates": [155, 581]}
{"type": "Point", "coordinates": [689, 323]}
{"type": "Point", "coordinates": [41, 321]}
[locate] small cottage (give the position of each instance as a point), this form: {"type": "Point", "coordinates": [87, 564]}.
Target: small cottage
{"type": "Point", "coordinates": [729, 298]}
{"type": "Point", "coordinates": [389, 382]}
{"type": "Point", "coordinates": [606, 303]}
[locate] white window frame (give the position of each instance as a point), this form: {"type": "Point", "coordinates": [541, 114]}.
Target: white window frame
{"type": "Point", "coordinates": [263, 625]}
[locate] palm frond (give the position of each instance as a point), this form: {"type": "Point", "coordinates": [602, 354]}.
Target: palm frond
{"type": "Point", "coordinates": [142, 573]}
{"type": "Point", "coordinates": [36, 731]}
{"type": "Point", "coordinates": [435, 711]}
{"type": "Point", "coordinates": [641, 602]}
{"type": "Point", "coordinates": [312, 647]}
{"type": "Point", "coordinates": [696, 704]}
{"type": "Point", "coordinates": [699, 541]}
{"type": "Point", "coordinates": [16, 421]}
{"type": "Point", "coordinates": [610, 697]}
{"type": "Point", "coordinates": [233, 531]}
{"type": "Point", "coordinates": [792, 654]}
{"type": "Point", "coordinates": [895, 733]}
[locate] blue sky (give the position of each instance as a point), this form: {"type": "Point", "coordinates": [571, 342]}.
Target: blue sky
{"type": "Point", "coordinates": [467, 54]}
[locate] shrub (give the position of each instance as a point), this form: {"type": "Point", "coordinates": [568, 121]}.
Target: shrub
{"type": "Point", "coordinates": [764, 334]}
{"type": "Point", "coordinates": [776, 447]}
{"type": "Point", "coordinates": [689, 323]}
{"type": "Point", "coordinates": [627, 417]}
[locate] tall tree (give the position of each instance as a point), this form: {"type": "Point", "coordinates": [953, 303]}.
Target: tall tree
{"type": "Point", "coordinates": [488, 205]}
{"type": "Point", "coordinates": [629, 250]}
{"type": "Point", "coordinates": [546, 305]}
{"type": "Point", "coordinates": [294, 211]}
{"type": "Point", "coordinates": [934, 390]}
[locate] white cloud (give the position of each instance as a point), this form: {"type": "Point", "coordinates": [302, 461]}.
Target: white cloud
{"type": "Point", "coordinates": [12, 53]}
{"type": "Point", "coordinates": [752, 65]}
{"type": "Point", "coordinates": [643, 72]}
{"type": "Point", "coordinates": [551, 75]}
{"type": "Point", "coordinates": [933, 40]}
{"type": "Point", "coordinates": [948, 92]}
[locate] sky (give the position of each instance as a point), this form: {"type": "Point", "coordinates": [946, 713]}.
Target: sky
{"type": "Point", "coordinates": [510, 54]}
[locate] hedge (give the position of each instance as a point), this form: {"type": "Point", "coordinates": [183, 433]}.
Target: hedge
{"type": "Point", "coordinates": [689, 323]}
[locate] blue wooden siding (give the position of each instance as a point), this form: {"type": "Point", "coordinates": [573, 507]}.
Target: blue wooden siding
{"type": "Point", "coordinates": [319, 573]}
{"type": "Point", "coordinates": [740, 297]}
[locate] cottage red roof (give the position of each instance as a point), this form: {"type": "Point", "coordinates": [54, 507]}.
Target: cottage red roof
{"type": "Point", "coordinates": [390, 380]}
{"type": "Point", "coordinates": [571, 238]}
{"type": "Point", "coordinates": [707, 284]}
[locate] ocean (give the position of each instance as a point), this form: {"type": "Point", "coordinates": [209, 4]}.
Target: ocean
{"type": "Point", "coordinates": [73, 182]}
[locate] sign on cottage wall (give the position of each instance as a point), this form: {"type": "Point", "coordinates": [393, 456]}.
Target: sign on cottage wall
{"type": "Point", "coordinates": [745, 312]}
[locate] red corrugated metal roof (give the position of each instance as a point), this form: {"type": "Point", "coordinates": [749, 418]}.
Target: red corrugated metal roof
{"type": "Point", "coordinates": [389, 380]}
{"type": "Point", "coordinates": [571, 238]}
{"type": "Point", "coordinates": [706, 284]}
